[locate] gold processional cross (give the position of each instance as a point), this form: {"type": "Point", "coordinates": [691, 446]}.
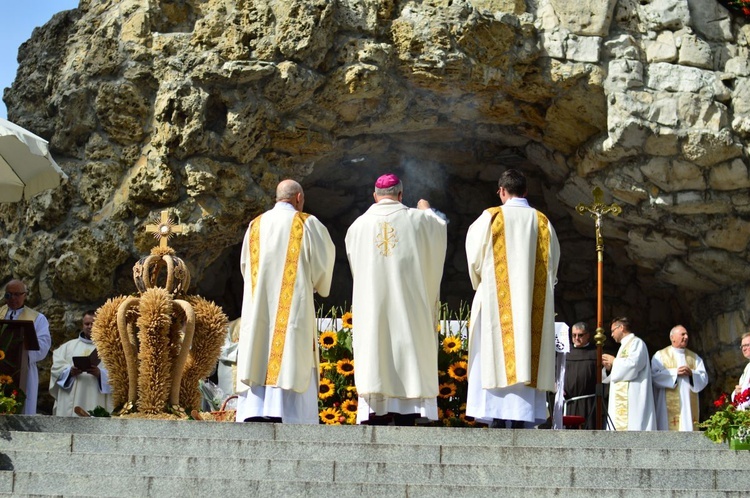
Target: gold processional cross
{"type": "Point", "coordinates": [164, 228]}
{"type": "Point", "coordinates": [598, 209]}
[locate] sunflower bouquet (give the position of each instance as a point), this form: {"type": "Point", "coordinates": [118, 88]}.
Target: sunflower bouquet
{"type": "Point", "coordinates": [337, 396]}
{"type": "Point", "coordinates": [453, 367]}
{"type": "Point", "coordinates": [11, 396]}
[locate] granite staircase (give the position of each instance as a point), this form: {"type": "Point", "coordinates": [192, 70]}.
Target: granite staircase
{"type": "Point", "coordinates": [52, 456]}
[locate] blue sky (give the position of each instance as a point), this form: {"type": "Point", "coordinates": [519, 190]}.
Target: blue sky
{"type": "Point", "coordinates": [18, 20]}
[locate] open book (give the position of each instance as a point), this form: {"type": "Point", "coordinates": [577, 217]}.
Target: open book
{"type": "Point", "coordinates": [86, 362]}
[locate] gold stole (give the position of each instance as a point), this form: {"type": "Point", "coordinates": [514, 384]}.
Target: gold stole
{"type": "Point", "coordinates": [621, 395]}
{"type": "Point", "coordinates": [26, 314]}
{"type": "Point", "coordinates": [287, 288]}
{"type": "Point", "coordinates": [669, 360]}
{"type": "Point", "coordinates": [502, 283]}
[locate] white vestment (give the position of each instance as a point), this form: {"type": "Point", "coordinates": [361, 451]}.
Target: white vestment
{"type": "Point", "coordinates": [286, 257]}
{"type": "Point", "coordinates": [513, 254]}
{"type": "Point", "coordinates": [226, 369]}
{"type": "Point", "coordinates": [396, 255]}
{"type": "Point", "coordinates": [744, 381]}
{"type": "Point", "coordinates": [83, 390]}
{"type": "Point", "coordinates": [631, 396]}
{"type": "Point", "coordinates": [676, 398]}
{"type": "Point", "coordinates": [41, 326]}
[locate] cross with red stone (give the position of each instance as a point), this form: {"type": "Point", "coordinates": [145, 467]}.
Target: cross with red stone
{"type": "Point", "coordinates": [164, 229]}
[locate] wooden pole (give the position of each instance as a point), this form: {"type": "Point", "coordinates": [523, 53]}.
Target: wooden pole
{"type": "Point", "coordinates": [597, 209]}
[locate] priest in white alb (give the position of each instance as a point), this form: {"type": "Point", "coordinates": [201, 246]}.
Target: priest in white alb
{"type": "Point", "coordinates": [396, 255]}
{"type": "Point", "coordinates": [744, 382]}
{"type": "Point", "coordinates": [15, 308]}
{"type": "Point", "coordinates": [631, 395]}
{"type": "Point", "coordinates": [287, 256]}
{"type": "Point", "coordinates": [513, 254]}
{"type": "Point", "coordinates": [678, 375]}
{"type": "Point", "coordinates": [72, 387]}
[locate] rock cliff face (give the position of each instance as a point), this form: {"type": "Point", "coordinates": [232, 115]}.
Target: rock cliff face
{"type": "Point", "coordinates": [202, 106]}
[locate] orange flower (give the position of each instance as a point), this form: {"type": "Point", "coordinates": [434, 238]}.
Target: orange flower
{"type": "Point", "coordinates": [447, 390]}
{"type": "Point", "coordinates": [326, 389]}
{"type": "Point", "coordinates": [451, 344]}
{"type": "Point", "coordinates": [458, 371]}
{"type": "Point", "coordinates": [349, 406]}
{"type": "Point", "coordinates": [330, 416]}
{"type": "Point", "coordinates": [345, 367]}
{"type": "Point", "coordinates": [346, 320]}
{"type": "Point", "coordinates": [328, 339]}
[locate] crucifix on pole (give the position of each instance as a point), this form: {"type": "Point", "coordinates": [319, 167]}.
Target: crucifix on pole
{"type": "Point", "coordinates": [597, 210]}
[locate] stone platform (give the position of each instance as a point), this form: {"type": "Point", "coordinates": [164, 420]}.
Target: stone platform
{"type": "Point", "coordinates": [52, 456]}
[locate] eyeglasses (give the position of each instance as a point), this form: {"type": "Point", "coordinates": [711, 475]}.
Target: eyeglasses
{"type": "Point", "coordinates": [8, 295]}
{"type": "Point", "coordinates": [581, 335]}
{"type": "Point", "coordinates": [745, 346]}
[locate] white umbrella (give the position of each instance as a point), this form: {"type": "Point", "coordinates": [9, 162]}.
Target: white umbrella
{"type": "Point", "coordinates": [26, 166]}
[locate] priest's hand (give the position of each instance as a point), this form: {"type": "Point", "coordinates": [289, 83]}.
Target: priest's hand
{"type": "Point", "coordinates": [684, 371]}
{"type": "Point", "coordinates": [74, 372]}
{"type": "Point", "coordinates": [423, 204]}
{"type": "Point", "coordinates": [737, 389]}
{"type": "Point", "coordinates": [95, 372]}
{"type": "Point", "coordinates": [607, 360]}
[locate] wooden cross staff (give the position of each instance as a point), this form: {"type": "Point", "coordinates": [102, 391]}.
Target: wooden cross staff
{"type": "Point", "coordinates": [164, 229]}
{"type": "Point", "coordinates": [598, 209]}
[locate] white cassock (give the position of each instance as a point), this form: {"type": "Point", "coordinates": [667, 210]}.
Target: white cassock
{"type": "Point", "coordinates": [744, 381]}
{"type": "Point", "coordinates": [226, 369]}
{"type": "Point", "coordinates": [676, 398]}
{"type": "Point", "coordinates": [631, 396]}
{"type": "Point", "coordinates": [41, 326]}
{"type": "Point", "coordinates": [83, 390]}
{"type": "Point", "coordinates": [396, 255]}
{"type": "Point", "coordinates": [286, 257]}
{"type": "Point", "coordinates": [513, 254]}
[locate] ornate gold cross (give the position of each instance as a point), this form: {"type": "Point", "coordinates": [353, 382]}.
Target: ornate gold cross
{"type": "Point", "coordinates": [164, 229]}
{"type": "Point", "coordinates": [597, 209]}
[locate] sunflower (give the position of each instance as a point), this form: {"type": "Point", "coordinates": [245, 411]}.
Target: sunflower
{"type": "Point", "coordinates": [2, 355]}
{"type": "Point", "coordinates": [349, 406]}
{"type": "Point", "coordinates": [346, 320]}
{"type": "Point", "coordinates": [451, 344]}
{"type": "Point", "coordinates": [351, 392]}
{"type": "Point", "coordinates": [330, 416]}
{"type": "Point", "coordinates": [438, 328]}
{"type": "Point", "coordinates": [326, 389]}
{"type": "Point", "coordinates": [6, 379]}
{"type": "Point", "coordinates": [345, 367]}
{"type": "Point", "coordinates": [325, 365]}
{"type": "Point", "coordinates": [446, 390]}
{"type": "Point", "coordinates": [458, 371]}
{"type": "Point", "coordinates": [328, 339]}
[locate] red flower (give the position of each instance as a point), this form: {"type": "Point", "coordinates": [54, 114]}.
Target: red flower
{"type": "Point", "coordinates": [14, 393]}
{"type": "Point", "coordinates": [720, 402]}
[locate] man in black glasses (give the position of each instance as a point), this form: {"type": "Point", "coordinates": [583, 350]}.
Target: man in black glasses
{"type": "Point", "coordinates": [580, 375]}
{"type": "Point", "coordinates": [14, 309]}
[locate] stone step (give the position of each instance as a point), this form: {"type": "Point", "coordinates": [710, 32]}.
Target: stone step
{"type": "Point", "coordinates": [24, 446]}
{"type": "Point", "coordinates": [66, 484]}
{"type": "Point", "coordinates": [360, 434]}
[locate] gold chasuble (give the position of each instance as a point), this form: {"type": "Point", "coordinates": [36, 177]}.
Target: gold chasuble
{"type": "Point", "coordinates": [502, 282]}
{"type": "Point", "coordinates": [287, 255]}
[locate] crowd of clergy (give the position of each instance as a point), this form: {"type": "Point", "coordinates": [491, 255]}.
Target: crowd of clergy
{"type": "Point", "coordinates": [396, 255]}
